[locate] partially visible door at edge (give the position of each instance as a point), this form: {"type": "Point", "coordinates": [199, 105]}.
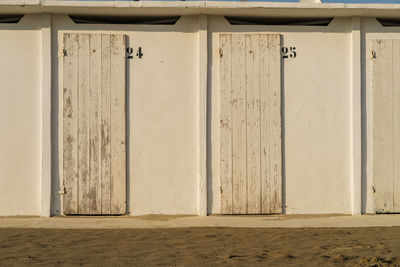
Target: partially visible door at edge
{"type": "Point", "coordinates": [250, 124]}
{"type": "Point", "coordinates": [93, 113]}
{"type": "Point", "coordinates": [386, 125]}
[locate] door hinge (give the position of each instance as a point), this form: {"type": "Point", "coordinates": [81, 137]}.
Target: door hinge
{"type": "Point", "coordinates": [373, 189]}
{"type": "Point", "coordinates": [373, 54]}
{"type": "Point", "coordinates": [64, 52]}
{"type": "Point", "coordinates": [63, 191]}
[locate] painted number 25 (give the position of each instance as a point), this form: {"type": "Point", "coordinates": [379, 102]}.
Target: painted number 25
{"type": "Point", "coordinates": [289, 52]}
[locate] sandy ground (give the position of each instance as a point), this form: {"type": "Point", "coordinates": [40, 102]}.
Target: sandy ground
{"type": "Point", "coordinates": [202, 246]}
{"type": "Point", "coordinates": [180, 221]}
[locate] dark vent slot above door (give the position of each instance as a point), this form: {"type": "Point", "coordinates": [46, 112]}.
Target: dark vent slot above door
{"type": "Point", "coordinates": [387, 22]}
{"type": "Point", "coordinates": [10, 18]}
{"type": "Point", "coordinates": [163, 20]}
{"type": "Point", "coordinates": [279, 21]}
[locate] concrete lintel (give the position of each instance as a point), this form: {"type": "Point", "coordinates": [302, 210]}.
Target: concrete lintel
{"type": "Point", "coordinates": [310, 8]}
{"type": "Point", "coordinates": [199, 4]}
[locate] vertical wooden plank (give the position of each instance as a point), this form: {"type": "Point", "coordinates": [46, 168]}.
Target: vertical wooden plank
{"type": "Point", "coordinates": [226, 123]}
{"type": "Point", "coordinates": [383, 125]}
{"type": "Point", "coordinates": [83, 127]}
{"type": "Point", "coordinates": [255, 165]}
{"type": "Point", "coordinates": [95, 123]}
{"type": "Point", "coordinates": [105, 124]}
{"type": "Point", "coordinates": [265, 125]}
{"type": "Point", "coordinates": [239, 161]}
{"type": "Point", "coordinates": [396, 125]}
{"type": "Point", "coordinates": [70, 123]}
{"type": "Point", "coordinates": [271, 154]}
{"type": "Point", "coordinates": [253, 123]}
{"type": "Point", "coordinates": [274, 62]}
{"type": "Point", "coordinates": [118, 141]}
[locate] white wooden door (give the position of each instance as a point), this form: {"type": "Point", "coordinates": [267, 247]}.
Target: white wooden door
{"type": "Point", "coordinates": [94, 149]}
{"type": "Point", "coordinates": [386, 125]}
{"type": "Point", "coordinates": [250, 124]}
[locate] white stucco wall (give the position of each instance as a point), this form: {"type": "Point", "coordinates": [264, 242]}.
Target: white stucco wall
{"type": "Point", "coordinates": [164, 110]}
{"type": "Point", "coordinates": [20, 117]}
{"type": "Point", "coordinates": [316, 115]}
{"type": "Point", "coordinates": [163, 84]}
{"type": "Point", "coordinates": [163, 171]}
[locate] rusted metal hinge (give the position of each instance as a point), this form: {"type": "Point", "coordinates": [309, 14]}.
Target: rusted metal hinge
{"type": "Point", "coordinates": [63, 191]}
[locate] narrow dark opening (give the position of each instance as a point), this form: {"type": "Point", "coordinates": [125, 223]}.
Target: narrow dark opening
{"type": "Point", "coordinates": [10, 18]}
{"type": "Point", "coordinates": [159, 20]}
{"type": "Point", "coordinates": [279, 21]}
{"type": "Point", "coordinates": [388, 22]}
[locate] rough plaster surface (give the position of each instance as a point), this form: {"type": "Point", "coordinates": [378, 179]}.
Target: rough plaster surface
{"type": "Point", "coordinates": [163, 172]}
{"type": "Point", "coordinates": [316, 121]}
{"type": "Point", "coordinates": [162, 86]}
{"type": "Point", "coordinates": [20, 118]}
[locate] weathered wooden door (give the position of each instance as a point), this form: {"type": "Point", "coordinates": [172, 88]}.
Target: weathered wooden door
{"type": "Point", "coordinates": [386, 125]}
{"type": "Point", "coordinates": [93, 114]}
{"type": "Point", "coordinates": [250, 124]}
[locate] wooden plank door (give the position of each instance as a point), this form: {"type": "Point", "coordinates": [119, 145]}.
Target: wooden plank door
{"type": "Point", "coordinates": [386, 125]}
{"type": "Point", "coordinates": [93, 114]}
{"type": "Point", "coordinates": [250, 124]}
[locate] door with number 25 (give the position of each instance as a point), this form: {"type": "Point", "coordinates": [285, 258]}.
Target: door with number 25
{"type": "Point", "coordinates": [250, 123]}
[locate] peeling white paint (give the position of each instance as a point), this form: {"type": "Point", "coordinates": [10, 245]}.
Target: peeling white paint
{"type": "Point", "coordinates": [327, 104]}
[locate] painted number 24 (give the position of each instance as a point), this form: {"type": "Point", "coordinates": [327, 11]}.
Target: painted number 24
{"type": "Point", "coordinates": [288, 52]}
{"type": "Point", "coordinates": [129, 53]}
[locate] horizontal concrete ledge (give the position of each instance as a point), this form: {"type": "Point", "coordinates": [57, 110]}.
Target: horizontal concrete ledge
{"type": "Point", "coordinates": [273, 9]}
{"type": "Point", "coordinates": [165, 221]}
{"type": "Point", "coordinates": [193, 4]}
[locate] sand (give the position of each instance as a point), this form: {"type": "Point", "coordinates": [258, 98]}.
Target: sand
{"type": "Point", "coordinates": [202, 246]}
